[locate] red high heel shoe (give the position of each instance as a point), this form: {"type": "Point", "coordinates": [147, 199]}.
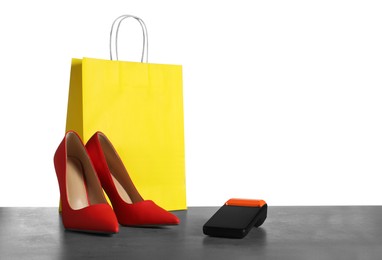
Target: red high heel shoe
{"type": "Point", "coordinates": [84, 206]}
{"type": "Point", "coordinates": [128, 205]}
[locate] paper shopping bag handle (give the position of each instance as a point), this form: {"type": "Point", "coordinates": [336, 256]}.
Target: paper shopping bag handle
{"type": "Point", "coordinates": [145, 48]}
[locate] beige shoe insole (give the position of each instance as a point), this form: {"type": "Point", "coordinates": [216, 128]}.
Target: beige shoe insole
{"type": "Point", "coordinates": [75, 184]}
{"type": "Point", "coordinates": [122, 192]}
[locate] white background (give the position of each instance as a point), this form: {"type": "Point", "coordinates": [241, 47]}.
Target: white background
{"type": "Point", "coordinates": [283, 99]}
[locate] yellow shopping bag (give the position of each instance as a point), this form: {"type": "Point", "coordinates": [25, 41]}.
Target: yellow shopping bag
{"type": "Point", "coordinates": [139, 106]}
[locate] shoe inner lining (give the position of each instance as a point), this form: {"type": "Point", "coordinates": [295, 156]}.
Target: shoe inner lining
{"type": "Point", "coordinates": [122, 192]}
{"type": "Point", "coordinates": [76, 188]}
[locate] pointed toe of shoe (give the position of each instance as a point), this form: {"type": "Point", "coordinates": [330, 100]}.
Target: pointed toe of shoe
{"type": "Point", "coordinates": [170, 220]}
{"type": "Point", "coordinates": [164, 217]}
{"type": "Point", "coordinates": [99, 218]}
{"type": "Point", "coordinates": [173, 220]}
{"type": "Point", "coordinates": [107, 222]}
{"type": "Point", "coordinates": [145, 213]}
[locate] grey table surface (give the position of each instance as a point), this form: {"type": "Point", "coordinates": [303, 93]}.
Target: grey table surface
{"type": "Point", "coordinates": [309, 232]}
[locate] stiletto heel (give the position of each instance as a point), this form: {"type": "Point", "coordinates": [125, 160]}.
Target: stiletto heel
{"type": "Point", "coordinates": [84, 207]}
{"type": "Point", "coordinates": [131, 209]}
